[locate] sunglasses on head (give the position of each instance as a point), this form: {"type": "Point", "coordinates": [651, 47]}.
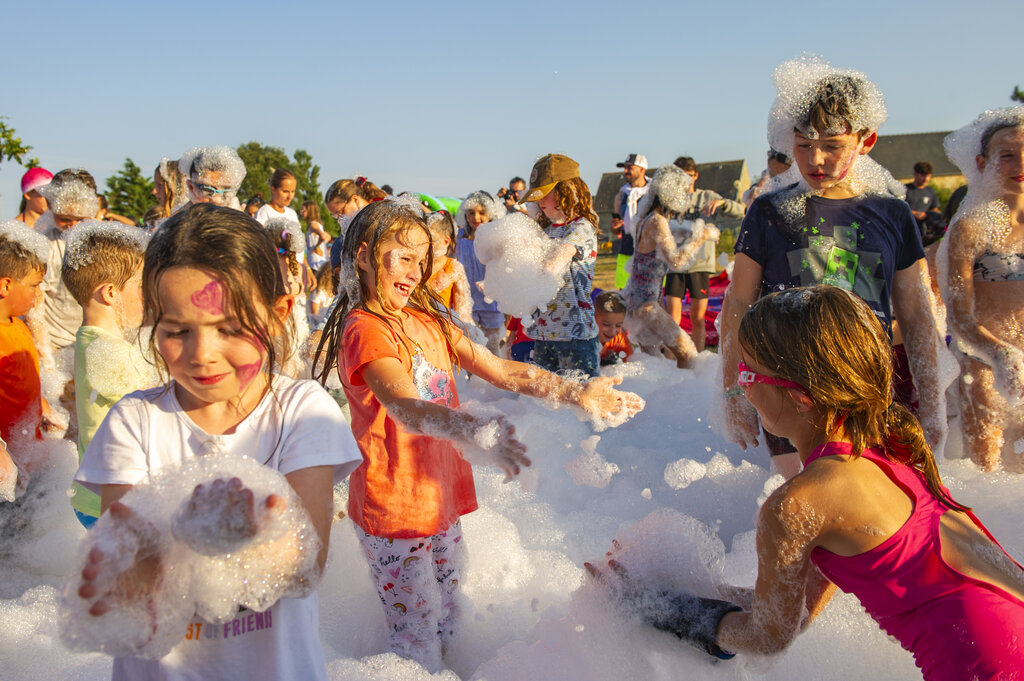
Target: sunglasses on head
{"type": "Point", "coordinates": [748, 377]}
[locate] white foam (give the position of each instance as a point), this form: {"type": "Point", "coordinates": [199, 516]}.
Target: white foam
{"type": "Point", "coordinates": [79, 240]}
{"type": "Point", "coordinates": [32, 241]}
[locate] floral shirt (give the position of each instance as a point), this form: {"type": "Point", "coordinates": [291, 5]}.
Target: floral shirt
{"type": "Point", "coordinates": [570, 314]}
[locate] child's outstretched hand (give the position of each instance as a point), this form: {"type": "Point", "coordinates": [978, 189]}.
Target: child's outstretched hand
{"type": "Point", "coordinates": [222, 516]}
{"type": "Point", "coordinates": [600, 399]}
{"type": "Point", "coordinates": [124, 574]}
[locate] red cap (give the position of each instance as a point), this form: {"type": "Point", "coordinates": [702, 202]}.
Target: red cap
{"type": "Point", "coordinates": [34, 179]}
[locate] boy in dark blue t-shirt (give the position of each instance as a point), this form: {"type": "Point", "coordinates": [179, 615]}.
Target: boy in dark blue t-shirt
{"type": "Point", "coordinates": [836, 223]}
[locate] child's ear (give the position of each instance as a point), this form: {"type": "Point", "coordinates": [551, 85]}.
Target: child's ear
{"type": "Point", "coordinates": [980, 161]}
{"type": "Point", "coordinates": [107, 293]}
{"type": "Point", "coordinates": [868, 142]}
{"type": "Point", "coordinates": [5, 286]}
{"type": "Point", "coordinates": [283, 307]}
{"type": "Point", "coordinates": [363, 258]}
{"type": "Point", "coordinates": [803, 402]}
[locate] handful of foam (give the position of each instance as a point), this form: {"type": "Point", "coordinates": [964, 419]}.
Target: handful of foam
{"type": "Point", "coordinates": [514, 251]}
{"type": "Point", "coordinates": [184, 552]}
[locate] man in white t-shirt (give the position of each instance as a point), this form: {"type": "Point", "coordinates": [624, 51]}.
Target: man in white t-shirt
{"type": "Point", "coordinates": [634, 170]}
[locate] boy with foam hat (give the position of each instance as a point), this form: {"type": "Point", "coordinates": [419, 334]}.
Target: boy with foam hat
{"type": "Point", "coordinates": [23, 255]}
{"type": "Point", "coordinates": [102, 269]}
{"type": "Point", "coordinates": [839, 220]}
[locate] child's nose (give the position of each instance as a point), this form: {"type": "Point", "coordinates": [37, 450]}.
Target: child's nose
{"type": "Point", "coordinates": [202, 347]}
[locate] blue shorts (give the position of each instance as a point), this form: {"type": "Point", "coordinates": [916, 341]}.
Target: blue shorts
{"type": "Point", "coordinates": [570, 355]}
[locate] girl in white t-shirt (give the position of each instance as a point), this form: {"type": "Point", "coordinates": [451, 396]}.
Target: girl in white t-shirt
{"type": "Point", "coordinates": [212, 287]}
{"type": "Point", "coordinates": [282, 193]}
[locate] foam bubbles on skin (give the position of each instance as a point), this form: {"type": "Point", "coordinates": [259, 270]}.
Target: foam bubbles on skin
{"type": "Point", "coordinates": [514, 250]}
{"type": "Point", "coordinates": [212, 557]}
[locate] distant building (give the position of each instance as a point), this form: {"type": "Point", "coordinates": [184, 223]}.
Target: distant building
{"type": "Point", "coordinates": [899, 153]}
{"type": "Point", "coordinates": [728, 178]}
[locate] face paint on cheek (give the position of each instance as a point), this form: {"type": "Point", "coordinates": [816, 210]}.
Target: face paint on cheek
{"type": "Point", "coordinates": [849, 164]}
{"type": "Point", "coordinates": [211, 298]}
{"type": "Point", "coordinates": [247, 372]}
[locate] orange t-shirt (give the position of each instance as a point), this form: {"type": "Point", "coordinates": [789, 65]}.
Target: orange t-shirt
{"type": "Point", "coordinates": [408, 485]}
{"type": "Point", "coordinates": [445, 274]}
{"type": "Point", "coordinates": [617, 345]}
{"type": "Point", "coordinates": [21, 406]}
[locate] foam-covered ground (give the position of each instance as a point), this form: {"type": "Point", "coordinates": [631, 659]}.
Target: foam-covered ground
{"type": "Point", "coordinates": [535, 615]}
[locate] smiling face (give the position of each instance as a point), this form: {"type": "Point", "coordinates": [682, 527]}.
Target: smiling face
{"type": "Point", "coordinates": [207, 353]}
{"type": "Point", "coordinates": [1005, 158]}
{"type": "Point", "coordinates": [476, 215]}
{"type": "Point", "coordinates": [609, 324]}
{"type": "Point", "coordinates": [402, 262]}
{"type": "Point", "coordinates": [825, 162]}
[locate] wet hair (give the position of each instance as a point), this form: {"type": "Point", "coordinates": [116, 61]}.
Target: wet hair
{"type": "Point", "coordinates": [685, 163]}
{"type": "Point", "coordinates": [111, 259]}
{"type": "Point", "coordinates": [924, 167]}
{"type": "Point", "coordinates": [986, 137]}
{"type": "Point", "coordinates": [574, 200]}
{"type": "Point", "coordinates": [17, 261]}
{"type": "Point", "coordinates": [344, 190]}
{"type": "Point", "coordinates": [832, 105]}
{"type": "Point", "coordinates": [279, 176]}
{"type": "Point", "coordinates": [441, 223]}
{"type": "Point", "coordinates": [370, 227]}
{"type": "Point", "coordinates": [74, 174]}
{"type": "Point", "coordinates": [236, 250]}
{"type": "Point", "coordinates": [610, 301]}
{"type": "Point", "coordinates": [829, 341]}
{"type": "Point", "coordinates": [175, 189]}
{"type": "Point", "coordinates": [325, 280]}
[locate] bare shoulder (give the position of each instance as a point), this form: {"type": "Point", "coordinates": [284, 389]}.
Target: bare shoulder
{"type": "Point", "coordinates": [799, 506]}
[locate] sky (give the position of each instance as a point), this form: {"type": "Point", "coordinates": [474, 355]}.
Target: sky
{"type": "Point", "coordinates": [448, 98]}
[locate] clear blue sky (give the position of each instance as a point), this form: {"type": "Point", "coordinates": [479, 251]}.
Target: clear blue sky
{"type": "Point", "coordinates": [447, 98]}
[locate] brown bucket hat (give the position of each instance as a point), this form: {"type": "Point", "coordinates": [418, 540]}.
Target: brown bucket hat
{"type": "Point", "coordinates": [547, 172]}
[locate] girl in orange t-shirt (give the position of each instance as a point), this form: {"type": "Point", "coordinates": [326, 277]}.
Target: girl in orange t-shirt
{"type": "Point", "coordinates": [396, 353]}
{"type": "Point", "coordinates": [448, 278]}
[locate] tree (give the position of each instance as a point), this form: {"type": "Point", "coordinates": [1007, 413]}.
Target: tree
{"type": "Point", "coordinates": [12, 148]}
{"type": "Point", "coordinates": [261, 162]}
{"type": "Point", "coordinates": [1018, 95]}
{"type": "Point", "coordinates": [129, 192]}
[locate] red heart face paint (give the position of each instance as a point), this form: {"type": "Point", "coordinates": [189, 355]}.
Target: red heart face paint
{"type": "Point", "coordinates": [210, 298]}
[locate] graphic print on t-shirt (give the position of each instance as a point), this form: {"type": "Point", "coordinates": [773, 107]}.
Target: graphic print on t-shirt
{"type": "Point", "coordinates": [835, 260]}
{"type": "Point", "coordinates": [432, 384]}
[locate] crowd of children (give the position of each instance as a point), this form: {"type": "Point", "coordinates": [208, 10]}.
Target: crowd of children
{"type": "Point", "coordinates": [194, 335]}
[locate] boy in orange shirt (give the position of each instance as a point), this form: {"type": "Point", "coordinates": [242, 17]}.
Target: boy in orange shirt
{"type": "Point", "coordinates": [23, 254]}
{"type": "Point", "coordinates": [610, 314]}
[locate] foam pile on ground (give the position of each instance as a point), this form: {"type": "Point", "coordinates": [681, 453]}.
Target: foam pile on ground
{"type": "Point", "coordinates": [532, 612]}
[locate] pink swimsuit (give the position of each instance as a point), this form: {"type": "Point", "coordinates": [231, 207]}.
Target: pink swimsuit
{"type": "Point", "coordinates": [958, 628]}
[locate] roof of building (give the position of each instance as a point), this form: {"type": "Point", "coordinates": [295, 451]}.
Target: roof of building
{"type": "Point", "coordinates": [899, 153]}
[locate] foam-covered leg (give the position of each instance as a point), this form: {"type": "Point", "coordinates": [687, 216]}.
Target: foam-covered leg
{"type": "Point", "coordinates": [982, 417]}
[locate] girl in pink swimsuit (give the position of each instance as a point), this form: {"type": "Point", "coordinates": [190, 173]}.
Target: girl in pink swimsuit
{"type": "Point", "coordinates": [868, 513]}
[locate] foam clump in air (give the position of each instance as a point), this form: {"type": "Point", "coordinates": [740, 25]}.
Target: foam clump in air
{"type": "Point", "coordinates": [27, 238]}
{"type": "Point", "coordinates": [201, 162]}
{"type": "Point", "coordinates": [514, 250]}
{"type": "Point", "coordinates": [217, 533]}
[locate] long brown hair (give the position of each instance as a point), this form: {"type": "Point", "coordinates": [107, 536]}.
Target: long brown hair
{"type": "Point", "coordinates": [344, 190]}
{"type": "Point", "coordinates": [574, 200]}
{"type": "Point", "coordinates": [829, 341]}
{"type": "Point", "coordinates": [371, 226]}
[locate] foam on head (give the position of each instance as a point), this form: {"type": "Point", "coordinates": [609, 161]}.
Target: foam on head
{"type": "Point", "coordinates": [287, 234]}
{"type": "Point", "coordinates": [847, 95]}
{"type": "Point", "coordinates": [963, 146]}
{"type": "Point", "coordinates": [199, 160]}
{"type": "Point", "coordinates": [672, 186]}
{"type": "Point", "coordinates": [495, 209]}
{"type": "Point", "coordinates": [26, 240]}
{"type": "Point", "coordinates": [81, 240]}
{"type": "Point", "coordinates": [69, 194]}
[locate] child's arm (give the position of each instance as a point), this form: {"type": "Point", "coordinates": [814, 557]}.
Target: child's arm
{"type": "Point", "coordinates": [559, 258]}
{"type": "Point", "coordinates": [462, 298]}
{"type": "Point", "coordinates": [679, 258]}
{"type": "Point", "coordinates": [597, 397]}
{"type": "Point", "coordinates": [393, 387]}
{"type": "Point", "coordinates": [912, 307]}
{"type": "Point", "coordinates": [741, 422]}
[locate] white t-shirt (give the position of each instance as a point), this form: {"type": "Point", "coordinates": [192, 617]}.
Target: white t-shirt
{"type": "Point", "coordinates": [301, 428]}
{"type": "Point", "coordinates": [266, 213]}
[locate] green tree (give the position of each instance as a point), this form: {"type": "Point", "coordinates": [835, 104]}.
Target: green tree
{"type": "Point", "coordinates": [129, 192]}
{"type": "Point", "coordinates": [12, 148]}
{"type": "Point", "coordinates": [260, 163]}
{"type": "Point", "coordinates": [1018, 95]}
